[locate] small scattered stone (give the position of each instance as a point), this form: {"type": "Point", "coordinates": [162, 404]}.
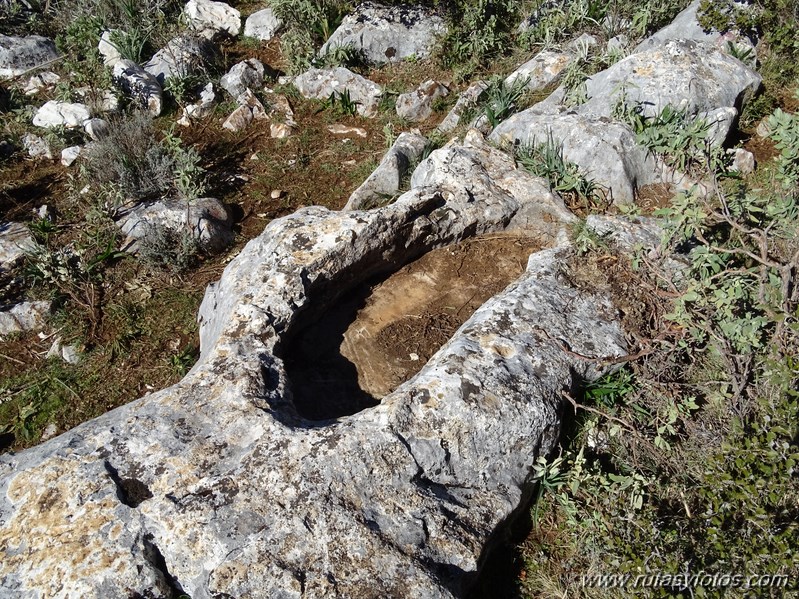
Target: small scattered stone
{"type": "Point", "coordinates": [339, 129]}
{"type": "Point", "coordinates": [417, 106]}
{"type": "Point", "coordinates": [243, 75]}
{"type": "Point", "coordinates": [322, 83]}
{"type": "Point", "coordinates": [62, 114]}
{"type": "Point", "coordinates": [37, 147]}
{"type": "Point", "coordinates": [743, 161]}
{"type": "Point", "coordinates": [279, 130]}
{"type": "Point", "coordinates": [39, 82]}
{"type": "Point", "coordinates": [70, 155]}
{"type": "Point", "coordinates": [239, 119]}
{"type": "Point", "coordinates": [50, 431]}
{"type": "Point", "coordinates": [96, 128]}
{"type": "Point", "coordinates": [262, 25]}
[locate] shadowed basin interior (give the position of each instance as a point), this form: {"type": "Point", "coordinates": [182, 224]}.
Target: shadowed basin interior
{"type": "Point", "coordinates": [381, 333]}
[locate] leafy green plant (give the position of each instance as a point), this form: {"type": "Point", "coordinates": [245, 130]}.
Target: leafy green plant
{"type": "Point", "coordinates": [478, 31]}
{"type": "Point", "coordinates": [501, 99]}
{"type": "Point", "coordinates": [683, 141]}
{"type": "Point", "coordinates": [342, 103]}
{"type": "Point", "coordinates": [546, 160]}
{"type": "Point", "coordinates": [308, 24]}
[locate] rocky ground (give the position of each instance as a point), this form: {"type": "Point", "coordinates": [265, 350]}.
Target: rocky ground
{"type": "Point", "coordinates": [287, 324]}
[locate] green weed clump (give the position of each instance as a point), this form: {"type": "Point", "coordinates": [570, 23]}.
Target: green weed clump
{"type": "Point", "coordinates": [546, 160]}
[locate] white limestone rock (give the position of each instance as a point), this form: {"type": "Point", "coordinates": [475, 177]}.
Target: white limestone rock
{"type": "Point", "coordinates": [37, 147]}
{"type": "Point", "coordinates": [206, 219]}
{"type": "Point", "coordinates": [212, 18]}
{"type": "Point", "coordinates": [143, 87]}
{"type": "Point", "coordinates": [541, 70]}
{"type": "Point", "coordinates": [683, 74]}
{"type": "Point", "coordinates": [62, 114]}
{"type": "Point", "coordinates": [384, 183]}
{"type": "Point", "coordinates": [20, 54]}
{"type": "Point", "coordinates": [245, 74]}
{"type": "Point", "coordinates": [388, 33]}
{"type": "Point", "coordinates": [40, 81]}
{"type": "Point", "coordinates": [183, 56]}
{"type": "Point", "coordinates": [70, 155]}
{"type": "Point", "coordinates": [27, 316]}
{"type": "Point", "coordinates": [321, 83]}
{"type": "Point", "coordinates": [467, 100]}
{"type": "Point", "coordinates": [15, 241]}
{"type": "Point", "coordinates": [262, 25]}
{"type": "Point", "coordinates": [417, 106]}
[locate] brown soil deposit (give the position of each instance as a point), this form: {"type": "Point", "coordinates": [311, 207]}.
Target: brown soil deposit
{"type": "Point", "coordinates": [381, 334]}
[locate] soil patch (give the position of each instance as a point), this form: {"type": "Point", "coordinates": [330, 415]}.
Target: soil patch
{"type": "Point", "coordinates": [382, 333]}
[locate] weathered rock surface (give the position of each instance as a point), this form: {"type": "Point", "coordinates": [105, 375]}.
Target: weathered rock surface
{"type": "Point", "coordinates": [388, 33]}
{"type": "Point", "coordinates": [27, 316]}
{"type": "Point", "coordinates": [541, 70]}
{"type": "Point", "coordinates": [40, 81]}
{"type": "Point", "coordinates": [201, 109]}
{"type": "Point", "coordinates": [212, 18]}
{"type": "Point", "coordinates": [245, 74]}
{"type": "Point", "coordinates": [20, 54]}
{"type": "Point", "coordinates": [108, 49]}
{"type": "Point", "coordinates": [476, 170]}
{"type": "Point", "coordinates": [205, 219]}
{"type": "Point", "coordinates": [70, 155]}
{"type": "Point", "coordinates": [62, 114]}
{"type": "Point", "coordinates": [37, 147]}
{"type": "Point", "coordinates": [262, 25]}
{"type": "Point", "coordinates": [683, 74]}
{"type": "Point", "coordinates": [384, 183]}
{"type": "Point", "coordinates": [143, 87]}
{"type": "Point", "coordinates": [467, 100]}
{"type": "Point", "coordinates": [321, 83]}
{"type": "Point", "coordinates": [605, 151]}
{"type": "Point", "coordinates": [183, 56]}
{"type": "Point", "coordinates": [15, 240]}
{"type": "Point", "coordinates": [217, 486]}
{"type": "Point", "coordinates": [685, 26]}
{"type": "Point", "coordinates": [417, 106]}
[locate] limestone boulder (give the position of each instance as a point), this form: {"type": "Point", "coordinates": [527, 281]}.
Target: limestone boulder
{"type": "Point", "coordinates": [205, 219]}
{"type": "Point", "coordinates": [20, 54]}
{"type": "Point", "coordinates": [262, 25]}
{"type": "Point", "coordinates": [681, 73]}
{"type": "Point", "coordinates": [384, 183]}
{"type": "Point", "coordinates": [183, 56]}
{"type": "Point", "coordinates": [212, 18]}
{"type": "Point", "coordinates": [417, 106]}
{"type": "Point", "coordinates": [243, 75]}
{"type": "Point", "coordinates": [321, 83]}
{"type": "Point", "coordinates": [62, 114]}
{"type": "Point", "coordinates": [606, 151]}
{"type": "Point", "coordinates": [15, 241]}
{"type": "Point", "coordinates": [685, 26]}
{"type": "Point", "coordinates": [388, 33]}
{"type": "Point", "coordinates": [140, 85]}
{"type": "Point", "coordinates": [26, 316]}
{"type": "Point", "coordinates": [218, 486]}
{"type": "Point", "coordinates": [541, 70]}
